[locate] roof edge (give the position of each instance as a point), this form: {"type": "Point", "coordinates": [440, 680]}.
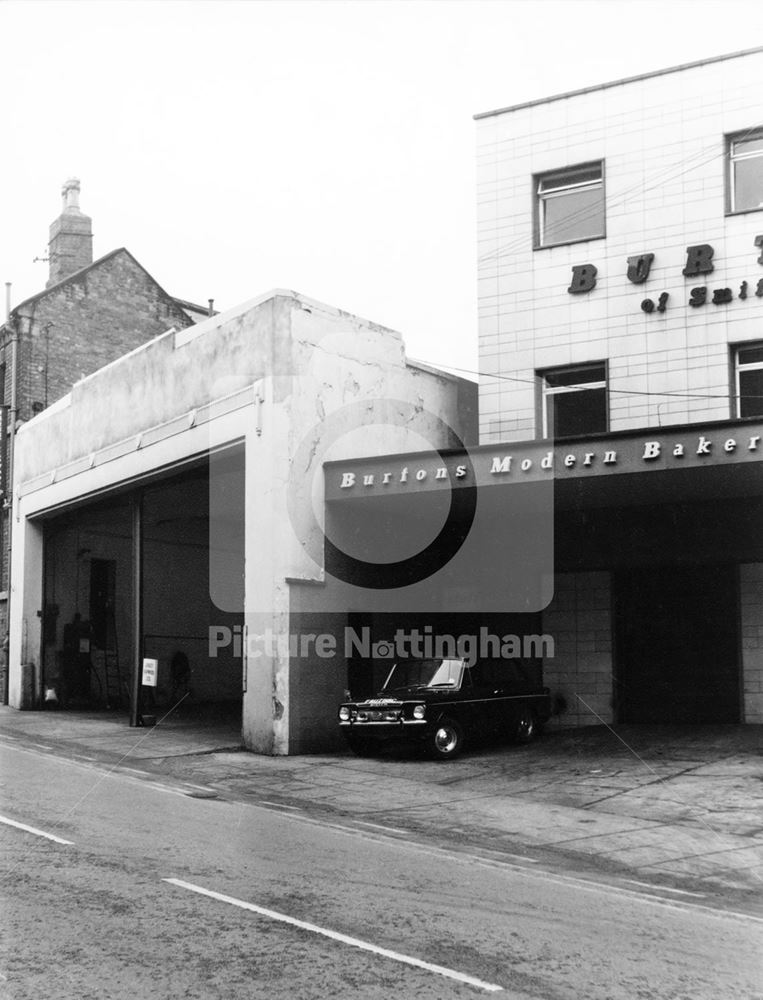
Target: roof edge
{"type": "Point", "coordinates": [618, 83]}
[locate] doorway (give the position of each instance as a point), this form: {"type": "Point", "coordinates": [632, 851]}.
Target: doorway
{"type": "Point", "coordinates": [677, 646]}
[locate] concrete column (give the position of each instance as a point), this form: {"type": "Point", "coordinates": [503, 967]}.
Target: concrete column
{"type": "Point", "coordinates": [25, 623]}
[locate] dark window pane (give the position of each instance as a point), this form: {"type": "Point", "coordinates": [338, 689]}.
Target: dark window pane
{"type": "Point", "coordinates": [751, 393]}
{"type": "Point", "coordinates": [748, 184]}
{"type": "Point", "coordinates": [749, 355]}
{"type": "Point", "coordinates": [573, 413]}
{"type": "Point", "coordinates": [576, 215]}
{"type": "Point", "coordinates": [575, 376]}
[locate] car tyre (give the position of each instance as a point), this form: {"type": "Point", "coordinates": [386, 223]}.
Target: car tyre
{"type": "Point", "coordinates": [528, 727]}
{"type": "Point", "coordinates": [446, 740]}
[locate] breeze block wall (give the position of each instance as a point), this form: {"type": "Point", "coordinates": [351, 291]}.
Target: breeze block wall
{"type": "Point", "coordinates": [751, 601]}
{"type": "Point", "coordinates": [579, 619]}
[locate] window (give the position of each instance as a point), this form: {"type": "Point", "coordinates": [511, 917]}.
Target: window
{"type": "Point", "coordinates": [574, 400]}
{"type": "Point", "coordinates": [748, 378]}
{"type": "Point", "coordinates": [745, 171]}
{"type": "Point", "coordinates": [569, 205]}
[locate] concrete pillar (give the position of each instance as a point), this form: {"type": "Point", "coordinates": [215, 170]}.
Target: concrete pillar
{"type": "Point", "coordinates": [25, 623]}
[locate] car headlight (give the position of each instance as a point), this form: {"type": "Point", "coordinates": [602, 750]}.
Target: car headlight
{"type": "Point", "coordinates": [344, 714]}
{"type": "Point", "coordinates": [419, 711]}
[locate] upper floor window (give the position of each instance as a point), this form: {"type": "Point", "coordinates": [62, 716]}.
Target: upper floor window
{"type": "Point", "coordinates": [748, 373]}
{"type": "Point", "coordinates": [574, 400]}
{"type": "Point", "coordinates": [569, 205]}
{"type": "Point", "coordinates": [745, 171]}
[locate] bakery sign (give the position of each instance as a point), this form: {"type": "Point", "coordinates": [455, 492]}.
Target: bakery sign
{"type": "Point", "coordinates": [674, 448]}
{"type": "Point", "coordinates": [699, 262]}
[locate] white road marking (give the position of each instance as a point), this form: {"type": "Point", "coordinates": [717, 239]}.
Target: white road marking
{"type": "Point", "coordinates": [34, 830]}
{"type": "Point", "coordinates": [379, 826]}
{"type": "Point", "coordinates": [278, 805]}
{"type": "Point", "coordinates": [667, 888]}
{"type": "Point", "coordinates": [555, 878]}
{"type": "Point", "coordinates": [336, 936]}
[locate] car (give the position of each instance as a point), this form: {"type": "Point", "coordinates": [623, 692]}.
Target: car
{"type": "Point", "coordinates": [444, 702]}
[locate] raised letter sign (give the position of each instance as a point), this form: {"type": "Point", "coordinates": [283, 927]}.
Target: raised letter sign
{"type": "Point", "coordinates": [583, 278]}
{"type": "Point", "coordinates": [639, 268]}
{"type": "Point", "coordinates": [699, 260]}
{"type": "Point", "coordinates": [759, 243]}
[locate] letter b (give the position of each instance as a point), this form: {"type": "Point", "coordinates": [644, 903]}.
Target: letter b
{"type": "Point", "coordinates": [583, 278]}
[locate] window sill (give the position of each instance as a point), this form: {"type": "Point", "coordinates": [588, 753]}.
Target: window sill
{"type": "Point", "coordinates": [570, 243]}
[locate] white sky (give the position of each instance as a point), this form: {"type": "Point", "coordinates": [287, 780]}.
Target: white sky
{"type": "Point", "coordinates": [322, 146]}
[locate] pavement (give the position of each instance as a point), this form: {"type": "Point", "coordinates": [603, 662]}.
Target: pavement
{"type": "Point", "coordinates": [676, 807]}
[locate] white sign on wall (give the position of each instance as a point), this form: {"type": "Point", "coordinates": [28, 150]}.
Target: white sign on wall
{"type": "Point", "coordinates": [150, 672]}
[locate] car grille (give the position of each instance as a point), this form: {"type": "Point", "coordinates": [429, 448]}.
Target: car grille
{"type": "Point", "coordinates": [378, 715]}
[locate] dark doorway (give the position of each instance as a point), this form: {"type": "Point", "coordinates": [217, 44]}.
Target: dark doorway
{"type": "Point", "coordinates": [103, 575]}
{"type": "Point", "coordinates": [677, 645]}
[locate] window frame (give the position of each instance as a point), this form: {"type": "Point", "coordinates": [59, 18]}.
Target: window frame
{"type": "Point", "coordinates": [731, 159]}
{"type": "Point", "coordinates": [737, 370]}
{"type": "Point", "coordinates": [545, 392]}
{"type": "Point", "coordinates": [539, 200]}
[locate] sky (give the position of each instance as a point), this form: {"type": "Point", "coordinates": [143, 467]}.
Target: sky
{"type": "Point", "coordinates": [326, 147]}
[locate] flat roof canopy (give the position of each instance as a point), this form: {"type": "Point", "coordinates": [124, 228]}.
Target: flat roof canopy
{"type": "Point", "coordinates": [687, 462]}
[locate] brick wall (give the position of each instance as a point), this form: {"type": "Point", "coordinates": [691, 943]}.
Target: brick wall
{"type": "Point", "coordinates": [662, 140]}
{"type": "Point", "coordinates": [751, 592]}
{"type": "Point", "coordinates": [579, 619]}
{"type": "Point", "coordinates": [97, 316]}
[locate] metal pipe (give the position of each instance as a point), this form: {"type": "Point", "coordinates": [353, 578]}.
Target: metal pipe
{"type": "Point", "coordinates": [136, 718]}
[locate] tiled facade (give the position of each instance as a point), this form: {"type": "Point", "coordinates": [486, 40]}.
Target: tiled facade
{"type": "Point", "coordinates": [752, 640]}
{"type": "Point", "coordinates": [662, 140]}
{"type": "Point", "coordinates": [580, 620]}
{"type": "Point", "coordinates": [661, 149]}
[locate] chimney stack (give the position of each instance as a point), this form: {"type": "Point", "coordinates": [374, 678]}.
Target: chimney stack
{"type": "Point", "coordinates": [71, 237]}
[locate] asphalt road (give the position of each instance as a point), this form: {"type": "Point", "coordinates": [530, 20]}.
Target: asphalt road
{"type": "Point", "coordinates": [157, 894]}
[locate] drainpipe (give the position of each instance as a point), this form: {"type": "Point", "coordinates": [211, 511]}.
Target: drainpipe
{"type": "Point", "coordinates": [136, 708]}
{"type": "Point", "coordinates": [12, 325]}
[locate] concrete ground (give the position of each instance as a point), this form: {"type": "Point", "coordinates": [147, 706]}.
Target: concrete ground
{"type": "Point", "coordinates": [674, 806]}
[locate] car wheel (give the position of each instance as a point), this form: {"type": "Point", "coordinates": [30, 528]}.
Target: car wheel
{"type": "Point", "coordinates": [528, 728]}
{"type": "Point", "coordinates": [446, 740]}
{"type": "Point", "coordinates": [359, 745]}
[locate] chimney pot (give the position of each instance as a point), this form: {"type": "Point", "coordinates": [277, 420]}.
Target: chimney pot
{"type": "Point", "coordinates": [70, 247]}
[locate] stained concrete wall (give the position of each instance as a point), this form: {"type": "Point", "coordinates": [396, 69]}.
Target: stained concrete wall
{"type": "Point", "coordinates": [321, 382]}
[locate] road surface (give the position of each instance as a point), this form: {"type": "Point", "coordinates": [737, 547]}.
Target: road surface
{"type": "Point", "coordinates": [116, 886]}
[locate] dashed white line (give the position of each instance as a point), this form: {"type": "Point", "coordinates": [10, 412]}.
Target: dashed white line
{"type": "Point", "coordinates": [283, 918]}
{"type": "Point", "coordinates": [278, 805]}
{"type": "Point", "coordinates": [34, 830]}
{"type": "Point", "coordinates": [379, 826]}
{"type": "Point", "coordinates": [666, 888]}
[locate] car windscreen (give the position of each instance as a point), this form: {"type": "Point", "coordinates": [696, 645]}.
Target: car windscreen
{"type": "Point", "coordinates": [439, 672]}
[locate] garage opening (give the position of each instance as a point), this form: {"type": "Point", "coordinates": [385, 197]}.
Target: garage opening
{"type": "Point", "coordinates": [190, 578]}
{"type": "Point", "coordinates": [677, 645]}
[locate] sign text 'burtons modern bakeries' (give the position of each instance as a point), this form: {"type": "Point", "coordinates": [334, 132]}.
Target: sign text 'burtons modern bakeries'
{"type": "Point", "coordinates": [682, 447]}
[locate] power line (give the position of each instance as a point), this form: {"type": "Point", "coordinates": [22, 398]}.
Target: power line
{"type": "Point", "coordinates": [610, 390]}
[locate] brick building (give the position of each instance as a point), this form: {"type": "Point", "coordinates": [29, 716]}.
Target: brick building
{"type": "Point", "coordinates": [89, 314]}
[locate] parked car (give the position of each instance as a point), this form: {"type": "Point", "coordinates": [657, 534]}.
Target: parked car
{"type": "Point", "coordinates": [443, 703]}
